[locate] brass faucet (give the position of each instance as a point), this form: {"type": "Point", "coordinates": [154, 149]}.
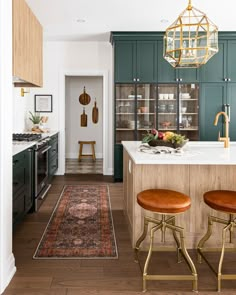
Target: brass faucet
{"type": "Point", "coordinates": [226, 138]}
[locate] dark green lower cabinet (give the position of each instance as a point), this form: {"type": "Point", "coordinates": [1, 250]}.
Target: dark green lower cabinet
{"type": "Point", "coordinates": [22, 184]}
{"type": "Point", "coordinates": [53, 157]}
{"type": "Point", "coordinates": [118, 162]}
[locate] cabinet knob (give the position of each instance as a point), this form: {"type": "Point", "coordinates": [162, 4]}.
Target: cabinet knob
{"type": "Point", "coordinates": [225, 79]}
{"type": "Point", "coordinates": [228, 79]}
{"type": "Point", "coordinates": [180, 79]}
{"type": "Point", "coordinates": [138, 79]}
{"type": "Point", "coordinates": [134, 79]}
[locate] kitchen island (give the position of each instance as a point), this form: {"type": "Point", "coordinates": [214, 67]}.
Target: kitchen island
{"type": "Point", "coordinates": [200, 167]}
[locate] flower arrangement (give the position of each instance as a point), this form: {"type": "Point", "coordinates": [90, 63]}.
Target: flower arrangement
{"type": "Point", "coordinates": [168, 138]}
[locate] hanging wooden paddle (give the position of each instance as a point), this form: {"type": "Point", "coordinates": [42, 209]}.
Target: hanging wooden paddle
{"type": "Point", "coordinates": [83, 119]}
{"type": "Point", "coordinates": [95, 113]}
{"type": "Point", "coordinates": [84, 98]}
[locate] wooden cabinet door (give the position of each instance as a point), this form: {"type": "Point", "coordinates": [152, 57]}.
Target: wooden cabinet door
{"type": "Point", "coordinates": [231, 61]}
{"type": "Point", "coordinates": [125, 61]}
{"type": "Point", "coordinates": [118, 162]}
{"type": "Point", "coordinates": [146, 61]}
{"type": "Point", "coordinates": [211, 102]}
{"type": "Point", "coordinates": [165, 72]}
{"type": "Point", "coordinates": [27, 46]}
{"type": "Point", "coordinates": [215, 69]}
{"type": "Point", "coordinates": [231, 101]}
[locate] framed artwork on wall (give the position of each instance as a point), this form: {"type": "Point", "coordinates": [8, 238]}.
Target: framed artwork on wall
{"type": "Point", "coordinates": [43, 103]}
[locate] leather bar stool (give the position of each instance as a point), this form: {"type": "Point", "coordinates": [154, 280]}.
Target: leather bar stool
{"type": "Point", "coordinates": [167, 203]}
{"type": "Point", "coordinates": [223, 201]}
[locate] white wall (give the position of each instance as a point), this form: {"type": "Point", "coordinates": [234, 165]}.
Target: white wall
{"type": "Point", "coordinates": [61, 57]}
{"type": "Point", "coordinates": [7, 261]}
{"type": "Point", "coordinates": [73, 111]}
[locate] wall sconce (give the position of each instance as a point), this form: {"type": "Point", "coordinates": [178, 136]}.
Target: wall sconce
{"type": "Point", "coordinates": [23, 91]}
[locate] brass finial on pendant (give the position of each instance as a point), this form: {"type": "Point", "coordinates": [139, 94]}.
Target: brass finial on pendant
{"type": "Point", "coordinates": [189, 5]}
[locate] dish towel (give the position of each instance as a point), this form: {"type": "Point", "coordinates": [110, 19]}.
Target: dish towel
{"type": "Point", "coordinates": [159, 149]}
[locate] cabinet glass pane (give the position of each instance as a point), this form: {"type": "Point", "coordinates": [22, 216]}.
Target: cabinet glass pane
{"type": "Point", "coordinates": [146, 108]}
{"type": "Point", "coordinates": [167, 107]}
{"type": "Point", "coordinates": [125, 112]}
{"type": "Point", "coordinates": [188, 110]}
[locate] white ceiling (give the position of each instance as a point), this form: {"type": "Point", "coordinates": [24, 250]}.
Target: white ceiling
{"type": "Point", "coordinates": [59, 17]}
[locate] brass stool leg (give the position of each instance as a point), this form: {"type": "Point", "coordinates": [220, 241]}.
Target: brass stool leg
{"type": "Point", "coordinates": [204, 239]}
{"type": "Point", "coordinates": [144, 234]}
{"type": "Point", "coordinates": [228, 227]}
{"type": "Point", "coordinates": [186, 255]}
{"type": "Point", "coordinates": [153, 230]}
{"type": "Point", "coordinates": [176, 240]}
{"type": "Point", "coordinates": [141, 238]}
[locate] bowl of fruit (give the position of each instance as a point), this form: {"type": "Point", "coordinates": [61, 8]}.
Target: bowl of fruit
{"type": "Point", "coordinates": [170, 139]}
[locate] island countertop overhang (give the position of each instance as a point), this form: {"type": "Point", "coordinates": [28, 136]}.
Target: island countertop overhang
{"type": "Point", "coordinates": [194, 153]}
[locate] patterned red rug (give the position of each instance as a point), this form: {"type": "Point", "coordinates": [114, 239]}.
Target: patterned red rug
{"type": "Point", "coordinates": [80, 226]}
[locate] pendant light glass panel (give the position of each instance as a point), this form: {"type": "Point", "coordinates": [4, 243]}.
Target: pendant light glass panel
{"type": "Point", "coordinates": [191, 40]}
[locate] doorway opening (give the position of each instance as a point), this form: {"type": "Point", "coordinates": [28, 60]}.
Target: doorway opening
{"type": "Point", "coordinates": [81, 125]}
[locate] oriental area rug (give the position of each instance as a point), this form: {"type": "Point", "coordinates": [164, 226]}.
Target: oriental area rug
{"type": "Point", "coordinates": [81, 226]}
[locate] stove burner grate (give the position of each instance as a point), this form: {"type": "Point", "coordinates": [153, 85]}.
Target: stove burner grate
{"type": "Point", "coordinates": [26, 136]}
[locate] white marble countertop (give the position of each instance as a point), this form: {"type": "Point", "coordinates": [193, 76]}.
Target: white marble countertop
{"type": "Point", "coordinates": [20, 146]}
{"type": "Point", "coordinates": [193, 153]}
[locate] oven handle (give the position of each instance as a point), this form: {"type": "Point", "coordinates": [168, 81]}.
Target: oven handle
{"type": "Point", "coordinates": [45, 150]}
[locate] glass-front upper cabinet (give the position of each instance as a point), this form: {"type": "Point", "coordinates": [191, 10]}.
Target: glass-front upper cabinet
{"type": "Point", "coordinates": [146, 108]}
{"type": "Point", "coordinates": [135, 110]}
{"type": "Point", "coordinates": [125, 112]}
{"type": "Point", "coordinates": [167, 107]}
{"type": "Point", "coordinates": [189, 110]}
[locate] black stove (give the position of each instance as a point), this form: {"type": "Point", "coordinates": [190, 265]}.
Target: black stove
{"type": "Point", "coordinates": [26, 136]}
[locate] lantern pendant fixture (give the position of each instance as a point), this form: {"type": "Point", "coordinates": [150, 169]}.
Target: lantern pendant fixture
{"type": "Point", "coordinates": [191, 40]}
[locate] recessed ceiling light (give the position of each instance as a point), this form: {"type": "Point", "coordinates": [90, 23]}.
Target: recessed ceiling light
{"type": "Point", "coordinates": [80, 20]}
{"type": "Point", "coordinates": [164, 21]}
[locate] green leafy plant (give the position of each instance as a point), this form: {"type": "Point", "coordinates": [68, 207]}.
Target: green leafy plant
{"type": "Point", "coordinates": [35, 118]}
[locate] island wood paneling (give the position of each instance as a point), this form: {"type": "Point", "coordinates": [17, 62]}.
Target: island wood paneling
{"type": "Point", "coordinates": [27, 46]}
{"type": "Point", "coordinates": [192, 180]}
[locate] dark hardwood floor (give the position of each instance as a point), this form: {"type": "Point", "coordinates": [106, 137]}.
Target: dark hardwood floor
{"type": "Point", "coordinates": [104, 276]}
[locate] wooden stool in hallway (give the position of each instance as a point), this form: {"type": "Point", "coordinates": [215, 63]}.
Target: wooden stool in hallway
{"type": "Point", "coordinates": [81, 155]}
{"type": "Point", "coordinates": [167, 203]}
{"type": "Point", "coordinates": [221, 201]}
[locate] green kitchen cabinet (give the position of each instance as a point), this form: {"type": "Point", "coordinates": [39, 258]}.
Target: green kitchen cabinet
{"type": "Point", "coordinates": [167, 74]}
{"type": "Point", "coordinates": [118, 162]}
{"type": "Point", "coordinates": [22, 184]}
{"type": "Point", "coordinates": [221, 67]}
{"type": "Point", "coordinates": [52, 157]}
{"type": "Point", "coordinates": [217, 97]}
{"type": "Point", "coordinates": [135, 61]}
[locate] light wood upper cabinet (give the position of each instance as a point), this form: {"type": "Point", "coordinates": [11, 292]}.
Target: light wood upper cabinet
{"type": "Point", "coordinates": [27, 46]}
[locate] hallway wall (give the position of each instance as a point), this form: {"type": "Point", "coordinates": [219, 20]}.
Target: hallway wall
{"type": "Point", "coordinates": [74, 109]}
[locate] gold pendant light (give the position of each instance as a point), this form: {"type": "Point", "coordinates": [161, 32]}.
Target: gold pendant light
{"type": "Point", "coordinates": [191, 40]}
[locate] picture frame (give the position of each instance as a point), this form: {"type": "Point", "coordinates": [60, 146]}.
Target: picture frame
{"type": "Point", "coordinates": [43, 103]}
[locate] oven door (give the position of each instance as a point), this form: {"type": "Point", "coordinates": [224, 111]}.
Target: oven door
{"type": "Point", "coordinates": [41, 168]}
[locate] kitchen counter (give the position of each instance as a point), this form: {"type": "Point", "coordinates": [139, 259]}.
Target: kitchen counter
{"type": "Point", "coordinates": [202, 166]}
{"type": "Point", "coordinates": [20, 146]}
{"type": "Point", "coordinates": [195, 152]}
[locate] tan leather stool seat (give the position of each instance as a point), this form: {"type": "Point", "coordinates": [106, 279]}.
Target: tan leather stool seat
{"type": "Point", "coordinates": [163, 201]}
{"type": "Point", "coordinates": [221, 200]}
